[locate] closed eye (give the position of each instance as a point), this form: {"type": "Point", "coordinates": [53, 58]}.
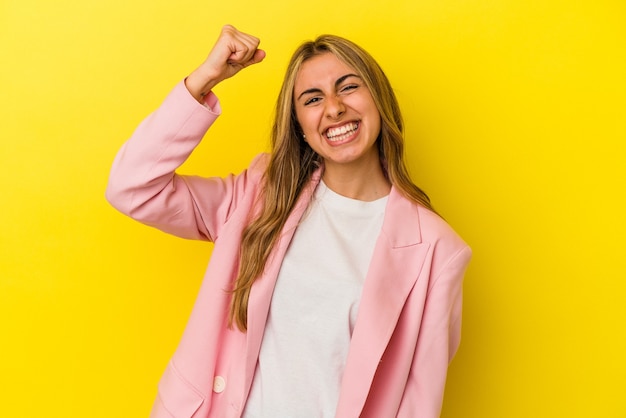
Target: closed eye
{"type": "Point", "coordinates": [312, 100]}
{"type": "Point", "coordinates": [349, 88]}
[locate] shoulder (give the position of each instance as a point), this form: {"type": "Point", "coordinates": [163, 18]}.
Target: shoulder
{"type": "Point", "coordinates": [408, 223]}
{"type": "Point", "coordinates": [260, 163]}
{"type": "Point", "coordinates": [413, 223]}
{"type": "Point", "coordinates": [258, 166]}
{"type": "Point", "coordinates": [434, 228]}
{"type": "Point", "coordinates": [447, 246]}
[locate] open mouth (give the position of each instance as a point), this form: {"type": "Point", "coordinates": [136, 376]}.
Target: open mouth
{"type": "Point", "coordinates": [341, 132]}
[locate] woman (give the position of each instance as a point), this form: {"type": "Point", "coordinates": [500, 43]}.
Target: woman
{"type": "Point", "coordinates": [334, 290]}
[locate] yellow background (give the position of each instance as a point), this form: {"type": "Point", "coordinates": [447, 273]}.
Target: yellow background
{"type": "Point", "coordinates": [516, 124]}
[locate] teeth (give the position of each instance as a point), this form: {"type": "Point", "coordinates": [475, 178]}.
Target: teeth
{"type": "Point", "coordinates": [338, 134]}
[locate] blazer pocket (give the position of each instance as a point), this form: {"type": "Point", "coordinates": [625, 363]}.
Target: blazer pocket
{"type": "Point", "coordinates": [177, 396]}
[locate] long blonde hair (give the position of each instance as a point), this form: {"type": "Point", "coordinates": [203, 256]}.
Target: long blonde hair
{"type": "Point", "coordinates": [292, 161]}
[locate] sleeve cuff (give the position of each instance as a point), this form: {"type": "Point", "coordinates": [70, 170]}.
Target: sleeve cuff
{"type": "Point", "coordinates": [210, 100]}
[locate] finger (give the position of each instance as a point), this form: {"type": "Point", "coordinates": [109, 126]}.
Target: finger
{"type": "Point", "coordinates": [259, 55]}
{"type": "Point", "coordinates": [242, 52]}
{"type": "Point", "coordinates": [243, 46]}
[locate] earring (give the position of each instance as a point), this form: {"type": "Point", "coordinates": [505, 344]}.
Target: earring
{"type": "Point", "coordinates": [304, 137]}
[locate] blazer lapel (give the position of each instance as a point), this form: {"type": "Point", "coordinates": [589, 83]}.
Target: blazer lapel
{"type": "Point", "coordinates": [396, 264]}
{"type": "Point", "coordinates": [261, 292]}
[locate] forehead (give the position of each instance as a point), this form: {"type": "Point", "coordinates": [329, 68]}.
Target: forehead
{"type": "Point", "coordinates": [321, 70]}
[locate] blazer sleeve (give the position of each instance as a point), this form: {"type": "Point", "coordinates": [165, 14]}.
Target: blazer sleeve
{"type": "Point", "coordinates": [439, 338]}
{"type": "Point", "coordinates": [143, 182]}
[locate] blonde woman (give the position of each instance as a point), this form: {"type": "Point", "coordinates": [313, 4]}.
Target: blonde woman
{"type": "Point", "coordinates": [334, 289]}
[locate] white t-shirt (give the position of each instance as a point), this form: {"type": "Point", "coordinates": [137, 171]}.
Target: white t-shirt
{"type": "Point", "coordinates": [314, 308]}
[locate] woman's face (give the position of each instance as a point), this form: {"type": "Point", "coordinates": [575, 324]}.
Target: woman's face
{"type": "Point", "coordinates": [336, 112]}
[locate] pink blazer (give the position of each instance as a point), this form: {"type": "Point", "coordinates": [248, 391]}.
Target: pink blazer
{"type": "Point", "coordinates": [409, 321]}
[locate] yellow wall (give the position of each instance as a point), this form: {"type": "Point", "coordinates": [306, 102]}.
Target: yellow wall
{"type": "Point", "coordinates": [516, 116]}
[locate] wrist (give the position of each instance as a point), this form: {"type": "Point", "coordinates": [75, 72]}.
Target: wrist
{"type": "Point", "coordinates": [200, 84]}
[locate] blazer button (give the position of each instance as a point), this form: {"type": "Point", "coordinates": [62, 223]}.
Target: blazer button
{"type": "Point", "coordinates": [219, 384]}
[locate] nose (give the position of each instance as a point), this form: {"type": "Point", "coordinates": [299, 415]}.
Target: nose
{"type": "Point", "coordinates": [334, 107]}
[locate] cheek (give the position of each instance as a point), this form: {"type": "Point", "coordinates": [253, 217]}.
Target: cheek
{"type": "Point", "coordinates": [376, 121]}
{"type": "Point", "coordinates": [299, 118]}
{"type": "Point", "coordinates": [375, 115]}
{"type": "Point", "coordinates": [306, 120]}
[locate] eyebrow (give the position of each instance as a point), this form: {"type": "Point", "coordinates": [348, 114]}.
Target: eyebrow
{"type": "Point", "coordinates": [337, 84]}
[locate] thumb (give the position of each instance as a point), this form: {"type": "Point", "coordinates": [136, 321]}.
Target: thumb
{"type": "Point", "coordinates": [259, 55]}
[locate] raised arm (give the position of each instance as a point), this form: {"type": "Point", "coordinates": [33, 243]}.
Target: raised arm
{"type": "Point", "coordinates": [143, 183]}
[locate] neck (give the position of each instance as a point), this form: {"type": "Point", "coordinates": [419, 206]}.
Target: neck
{"type": "Point", "coordinates": [361, 182]}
